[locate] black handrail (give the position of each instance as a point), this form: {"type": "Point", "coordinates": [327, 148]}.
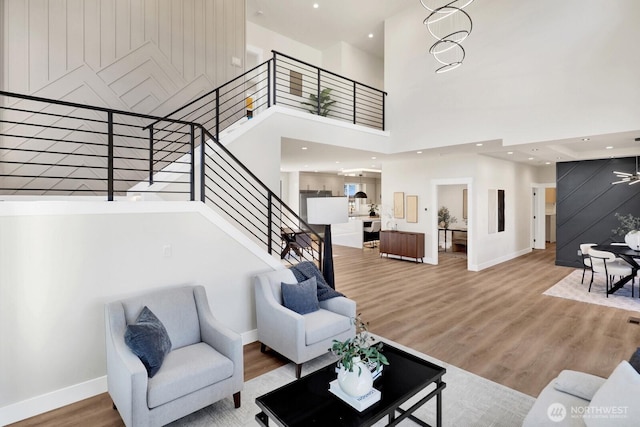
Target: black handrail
{"type": "Point", "coordinates": [275, 52]}
{"type": "Point", "coordinates": [161, 142]}
{"type": "Point", "coordinates": [300, 85]}
{"type": "Point", "coordinates": [63, 147]}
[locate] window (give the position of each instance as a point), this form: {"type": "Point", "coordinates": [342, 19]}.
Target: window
{"type": "Point", "coordinates": [350, 190]}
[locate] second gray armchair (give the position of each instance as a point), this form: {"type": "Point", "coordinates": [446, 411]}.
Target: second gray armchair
{"type": "Point", "coordinates": [299, 337]}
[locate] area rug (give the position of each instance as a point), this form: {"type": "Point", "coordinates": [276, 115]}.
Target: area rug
{"type": "Point", "coordinates": [468, 400]}
{"type": "Point", "coordinates": [571, 288]}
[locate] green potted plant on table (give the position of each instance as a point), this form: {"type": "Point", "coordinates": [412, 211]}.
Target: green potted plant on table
{"type": "Point", "coordinates": [359, 356]}
{"type": "Point", "coordinates": [373, 209]}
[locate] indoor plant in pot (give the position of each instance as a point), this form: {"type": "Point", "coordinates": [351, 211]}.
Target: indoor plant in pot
{"type": "Point", "coordinates": [445, 218]}
{"type": "Point", "coordinates": [358, 357]}
{"type": "Point", "coordinates": [321, 105]}
{"type": "Point", "coordinates": [630, 229]}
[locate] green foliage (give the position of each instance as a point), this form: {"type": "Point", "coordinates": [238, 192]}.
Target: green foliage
{"type": "Point", "coordinates": [627, 223]}
{"type": "Point", "coordinates": [373, 208]}
{"type": "Point", "coordinates": [325, 102]}
{"type": "Point", "coordinates": [360, 346]}
{"type": "Point", "coordinates": [445, 218]}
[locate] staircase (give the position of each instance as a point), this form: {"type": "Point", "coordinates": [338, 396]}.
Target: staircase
{"type": "Point", "coordinates": [53, 147]}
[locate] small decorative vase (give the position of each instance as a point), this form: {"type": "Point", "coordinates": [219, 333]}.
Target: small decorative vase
{"type": "Point", "coordinates": [632, 239]}
{"type": "Point", "coordinates": [358, 382]}
{"type": "Point", "coordinates": [372, 214]}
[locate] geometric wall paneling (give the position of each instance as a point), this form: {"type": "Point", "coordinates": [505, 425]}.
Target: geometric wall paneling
{"type": "Point", "coordinates": [587, 202]}
{"type": "Point", "coordinates": [147, 56]}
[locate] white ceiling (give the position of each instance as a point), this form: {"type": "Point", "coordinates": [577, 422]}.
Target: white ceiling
{"type": "Point", "coordinates": [333, 21]}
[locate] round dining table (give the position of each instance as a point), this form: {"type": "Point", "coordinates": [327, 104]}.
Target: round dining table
{"type": "Point", "coordinates": [629, 255]}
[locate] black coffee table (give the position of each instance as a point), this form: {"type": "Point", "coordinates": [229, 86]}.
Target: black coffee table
{"type": "Point", "coordinates": [308, 402]}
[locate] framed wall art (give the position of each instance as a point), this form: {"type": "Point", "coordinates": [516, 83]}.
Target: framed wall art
{"type": "Point", "coordinates": [412, 208]}
{"type": "Point", "coordinates": [398, 205]}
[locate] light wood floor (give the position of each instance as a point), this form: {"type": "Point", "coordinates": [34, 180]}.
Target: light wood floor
{"type": "Point", "coordinates": [495, 323]}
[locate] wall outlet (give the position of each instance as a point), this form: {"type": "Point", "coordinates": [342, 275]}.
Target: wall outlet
{"type": "Point", "coordinates": [166, 251]}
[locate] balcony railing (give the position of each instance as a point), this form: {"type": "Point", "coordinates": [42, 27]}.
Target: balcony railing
{"type": "Point", "coordinates": [54, 147]}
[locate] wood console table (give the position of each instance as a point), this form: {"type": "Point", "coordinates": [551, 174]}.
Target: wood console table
{"type": "Point", "coordinates": [402, 244]}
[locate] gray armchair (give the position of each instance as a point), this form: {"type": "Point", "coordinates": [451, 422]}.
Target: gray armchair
{"type": "Point", "coordinates": [297, 337]}
{"type": "Point", "coordinates": [205, 363]}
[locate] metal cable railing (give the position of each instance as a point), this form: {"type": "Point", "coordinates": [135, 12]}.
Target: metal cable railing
{"type": "Point", "coordinates": [241, 198]}
{"type": "Point", "coordinates": [53, 147]}
{"type": "Point", "coordinates": [306, 87]}
{"type": "Point", "coordinates": [64, 148]}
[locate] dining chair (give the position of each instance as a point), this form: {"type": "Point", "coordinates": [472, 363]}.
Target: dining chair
{"type": "Point", "coordinates": [606, 262]}
{"type": "Point", "coordinates": [586, 261]}
{"type": "Point", "coordinates": [372, 233]}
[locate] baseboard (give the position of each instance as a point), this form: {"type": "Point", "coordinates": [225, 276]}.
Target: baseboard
{"type": "Point", "coordinates": [53, 400]}
{"type": "Point", "coordinates": [502, 259]}
{"type": "Point", "coordinates": [249, 337]}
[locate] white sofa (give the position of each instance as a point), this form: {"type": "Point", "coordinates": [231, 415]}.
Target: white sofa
{"type": "Point", "coordinates": [579, 399]}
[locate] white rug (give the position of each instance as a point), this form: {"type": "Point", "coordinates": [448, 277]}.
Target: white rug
{"type": "Point", "coordinates": [571, 288]}
{"type": "Point", "coordinates": [468, 400]}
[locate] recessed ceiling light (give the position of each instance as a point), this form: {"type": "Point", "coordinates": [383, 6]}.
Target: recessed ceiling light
{"type": "Point", "coordinates": [609, 147]}
{"type": "Point", "coordinates": [337, 161]}
{"type": "Point", "coordinates": [306, 166]}
{"type": "Point", "coordinates": [509, 152]}
{"type": "Point", "coordinates": [479, 144]}
{"type": "Point", "coordinates": [530, 158]}
{"type": "Point", "coordinates": [373, 158]}
{"type": "Point", "coordinates": [316, 5]}
{"type": "Point", "coordinates": [304, 148]}
{"type": "Point", "coordinates": [418, 152]}
{"type": "Point", "coordinates": [547, 163]}
{"type": "Point", "coordinates": [586, 139]}
{"type": "Point", "coordinates": [370, 35]}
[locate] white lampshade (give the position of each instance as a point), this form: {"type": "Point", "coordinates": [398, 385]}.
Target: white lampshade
{"type": "Point", "coordinates": [327, 210]}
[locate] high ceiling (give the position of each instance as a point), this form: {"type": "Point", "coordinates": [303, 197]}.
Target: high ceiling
{"type": "Point", "coordinates": [332, 21]}
{"type": "Point", "coordinates": [352, 21]}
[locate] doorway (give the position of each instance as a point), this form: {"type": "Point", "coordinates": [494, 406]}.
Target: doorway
{"type": "Point", "coordinates": [543, 218]}
{"type": "Point", "coordinates": [455, 239]}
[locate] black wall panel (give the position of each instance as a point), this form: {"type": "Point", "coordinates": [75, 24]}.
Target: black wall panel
{"type": "Point", "coordinates": [587, 202]}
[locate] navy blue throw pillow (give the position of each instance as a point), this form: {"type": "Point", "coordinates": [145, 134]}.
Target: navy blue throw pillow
{"type": "Point", "coordinates": [635, 360]}
{"type": "Point", "coordinates": [148, 339]}
{"type": "Point", "coordinates": [300, 297]}
{"type": "Point", "coordinates": [306, 270]}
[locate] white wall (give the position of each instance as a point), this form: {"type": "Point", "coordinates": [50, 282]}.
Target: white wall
{"type": "Point", "coordinates": [534, 71]}
{"type": "Point", "coordinates": [417, 177]}
{"type": "Point", "coordinates": [57, 270]}
{"type": "Point", "coordinates": [268, 40]}
{"type": "Point", "coordinates": [353, 63]}
{"type": "Point", "coordinates": [148, 56]}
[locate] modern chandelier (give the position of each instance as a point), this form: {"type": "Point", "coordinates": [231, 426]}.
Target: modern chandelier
{"type": "Point", "coordinates": [629, 178]}
{"type": "Point", "coordinates": [450, 25]}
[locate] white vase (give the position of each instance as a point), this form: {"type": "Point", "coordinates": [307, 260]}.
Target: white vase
{"type": "Point", "coordinates": [632, 239]}
{"type": "Point", "coordinates": [358, 382]}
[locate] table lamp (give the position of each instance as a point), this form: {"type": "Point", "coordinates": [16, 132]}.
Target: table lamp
{"type": "Point", "coordinates": [326, 211]}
